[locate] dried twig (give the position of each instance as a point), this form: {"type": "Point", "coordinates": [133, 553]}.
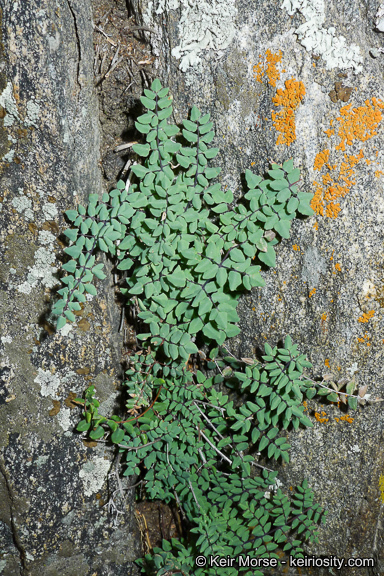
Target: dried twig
{"type": "Point", "coordinates": [128, 87]}
{"type": "Point", "coordinates": [124, 146]}
{"type": "Point", "coordinates": [104, 34]}
{"type": "Point", "coordinates": [114, 62]}
{"type": "Point", "coordinates": [126, 167]}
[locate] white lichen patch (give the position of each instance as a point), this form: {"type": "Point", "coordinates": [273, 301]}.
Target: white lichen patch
{"type": "Point", "coordinates": [9, 156]}
{"type": "Point", "coordinates": [93, 475]}
{"type": "Point", "coordinates": [379, 22]}
{"type": "Point", "coordinates": [49, 383]}
{"type": "Point", "coordinates": [352, 369]}
{"type": "Point", "coordinates": [42, 271]}
{"type": "Point", "coordinates": [7, 101]}
{"type": "Point", "coordinates": [314, 264]}
{"type": "Point", "coordinates": [333, 49]}
{"type": "Point", "coordinates": [41, 460]}
{"type": "Point", "coordinates": [65, 330]}
{"type": "Point", "coordinates": [54, 41]}
{"type": "Point", "coordinates": [252, 121]}
{"type": "Point", "coordinates": [64, 418]}
{"type": "Point", "coordinates": [368, 291]}
{"type": "Point", "coordinates": [204, 25]}
{"type": "Point", "coordinates": [33, 112]}
{"type": "Point", "coordinates": [49, 211]}
{"type": "Point", "coordinates": [23, 205]}
{"type": "Point", "coordinates": [46, 237]}
{"type": "Point", "coordinates": [70, 378]}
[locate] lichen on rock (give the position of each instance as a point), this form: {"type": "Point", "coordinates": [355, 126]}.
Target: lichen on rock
{"type": "Point", "coordinates": [333, 49]}
{"type": "Point", "coordinates": [202, 26]}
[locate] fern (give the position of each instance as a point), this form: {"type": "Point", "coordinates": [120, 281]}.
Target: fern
{"type": "Point", "coordinates": [189, 252]}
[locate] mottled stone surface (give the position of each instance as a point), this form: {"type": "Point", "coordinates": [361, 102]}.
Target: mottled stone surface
{"type": "Point", "coordinates": [330, 272]}
{"type": "Point", "coordinates": [328, 275]}
{"type": "Point", "coordinates": [54, 487]}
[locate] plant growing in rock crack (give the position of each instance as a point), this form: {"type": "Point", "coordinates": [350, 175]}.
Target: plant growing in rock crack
{"type": "Point", "coordinates": [189, 253]}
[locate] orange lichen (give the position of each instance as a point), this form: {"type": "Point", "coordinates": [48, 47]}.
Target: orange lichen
{"type": "Point", "coordinates": [338, 267]}
{"type": "Point", "coordinates": [321, 159]}
{"type": "Point", "coordinates": [272, 72]}
{"type": "Point", "coordinates": [354, 124]}
{"type": "Point", "coordinates": [312, 292]}
{"type": "Point", "coordinates": [332, 210]}
{"type": "Point", "coordinates": [321, 418]}
{"type": "Point", "coordinates": [331, 189]}
{"type": "Point", "coordinates": [359, 123]}
{"type": "Point", "coordinates": [296, 247]}
{"type": "Point", "coordinates": [284, 120]}
{"type": "Point", "coordinates": [379, 173]}
{"type": "Point", "coordinates": [345, 418]}
{"type": "Point", "coordinates": [323, 317]}
{"type": "Point", "coordinates": [326, 179]}
{"type": "Point", "coordinates": [258, 71]}
{"type": "Point", "coordinates": [317, 202]}
{"type": "Point", "coordinates": [366, 316]}
{"type": "Point", "coordinates": [268, 67]}
{"type": "Point", "coordinates": [326, 362]}
{"type": "Point", "coordinates": [364, 339]}
{"type": "Point", "coordinates": [352, 160]}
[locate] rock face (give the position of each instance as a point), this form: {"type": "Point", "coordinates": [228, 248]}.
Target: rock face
{"type": "Point", "coordinates": [54, 488]}
{"type": "Point", "coordinates": [299, 79]}
{"type": "Point", "coordinates": [303, 79]}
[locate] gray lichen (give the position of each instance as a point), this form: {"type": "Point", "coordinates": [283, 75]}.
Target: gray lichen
{"type": "Point", "coordinates": [333, 49]}
{"type": "Point", "coordinates": [202, 26]}
{"type": "Point", "coordinates": [379, 22]}
{"type": "Point", "coordinates": [9, 156]}
{"type": "Point", "coordinates": [23, 204]}
{"type": "Point", "coordinates": [64, 418]}
{"type": "Point", "coordinates": [33, 112]}
{"type": "Point", "coordinates": [49, 383]}
{"type": "Point", "coordinates": [49, 211]}
{"type": "Point", "coordinates": [8, 102]}
{"type": "Point", "coordinates": [93, 475]}
{"type": "Point", "coordinates": [42, 271]}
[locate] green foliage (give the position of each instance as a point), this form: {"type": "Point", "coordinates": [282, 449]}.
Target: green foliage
{"type": "Point", "coordinates": [242, 518]}
{"type": "Point", "coordinates": [189, 251]}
